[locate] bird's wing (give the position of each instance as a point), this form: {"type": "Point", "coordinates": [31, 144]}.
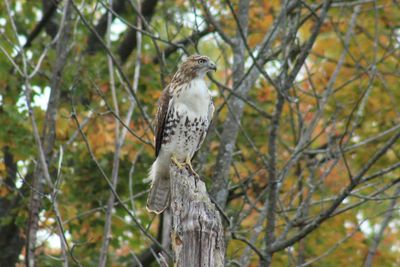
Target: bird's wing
{"type": "Point", "coordinates": [211, 109]}
{"type": "Point", "coordinates": [162, 112]}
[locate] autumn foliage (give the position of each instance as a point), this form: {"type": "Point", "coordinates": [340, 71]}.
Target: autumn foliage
{"type": "Point", "coordinates": [312, 157]}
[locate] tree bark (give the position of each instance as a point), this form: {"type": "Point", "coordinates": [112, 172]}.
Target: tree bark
{"type": "Point", "coordinates": [229, 135]}
{"type": "Point", "coordinates": [197, 233]}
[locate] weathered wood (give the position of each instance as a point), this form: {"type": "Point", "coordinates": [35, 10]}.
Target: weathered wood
{"type": "Point", "coordinates": [197, 232]}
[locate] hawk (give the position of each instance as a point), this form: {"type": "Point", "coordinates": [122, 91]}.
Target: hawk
{"type": "Point", "coordinates": [185, 110]}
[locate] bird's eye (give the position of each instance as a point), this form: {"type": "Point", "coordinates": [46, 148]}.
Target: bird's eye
{"type": "Point", "coordinates": [202, 61]}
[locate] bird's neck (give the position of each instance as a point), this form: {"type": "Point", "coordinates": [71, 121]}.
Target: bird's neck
{"type": "Point", "coordinates": [194, 96]}
{"type": "Point", "coordinates": [182, 77]}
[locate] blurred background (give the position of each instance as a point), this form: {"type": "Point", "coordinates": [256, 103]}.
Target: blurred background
{"type": "Point", "coordinates": [302, 157]}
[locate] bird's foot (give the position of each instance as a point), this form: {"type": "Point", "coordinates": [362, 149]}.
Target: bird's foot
{"type": "Point", "coordinates": [188, 163]}
{"type": "Point", "coordinates": [177, 163]}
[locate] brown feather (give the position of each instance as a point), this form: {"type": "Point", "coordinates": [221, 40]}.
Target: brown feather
{"type": "Point", "coordinates": [162, 112]}
{"type": "Point", "coordinates": [187, 71]}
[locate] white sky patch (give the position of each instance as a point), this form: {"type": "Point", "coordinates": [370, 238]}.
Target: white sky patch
{"type": "Point", "coordinates": [21, 42]}
{"type": "Point", "coordinates": [22, 171]}
{"type": "Point", "coordinates": [29, 54]}
{"type": "Point", "coordinates": [249, 62]}
{"type": "Point", "coordinates": [273, 67]}
{"type": "Point", "coordinates": [53, 240]}
{"type": "Point", "coordinates": [117, 27]}
{"type": "Point", "coordinates": [38, 14]}
{"type": "Point", "coordinates": [193, 19]}
{"type": "Point", "coordinates": [18, 6]}
{"type": "Point", "coordinates": [42, 235]}
{"type": "Point", "coordinates": [127, 219]}
{"type": "Point", "coordinates": [18, 183]}
{"type": "Point", "coordinates": [355, 139]}
{"type": "Point", "coordinates": [14, 52]}
{"type": "Point", "coordinates": [42, 99]}
{"type": "Point", "coordinates": [22, 167]}
{"type": "Point", "coordinates": [3, 22]}
{"type": "Point", "coordinates": [21, 39]}
{"type": "Point", "coordinates": [303, 71]}
{"type": "Point", "coordinates": [21, 103]}
{"type": "Point", "coordinates": [365, 226]}
{"type": "Point", "coordinates": [188, 19]}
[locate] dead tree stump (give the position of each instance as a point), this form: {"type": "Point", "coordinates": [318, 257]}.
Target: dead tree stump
{"type": "Point", "coordinates": [197, 232]}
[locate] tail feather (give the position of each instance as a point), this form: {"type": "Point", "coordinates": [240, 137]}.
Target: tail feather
{"type": "Point", "coordinates": [158, 198]}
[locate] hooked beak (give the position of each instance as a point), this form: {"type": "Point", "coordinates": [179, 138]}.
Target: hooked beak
{"type": "Point", "coordinates": [212, 66]}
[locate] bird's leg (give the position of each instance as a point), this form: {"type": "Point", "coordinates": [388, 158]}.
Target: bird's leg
{"type": "Point", "coordinates": [177, 163]}
{"type": "Point", "coordinates": [189, 163]}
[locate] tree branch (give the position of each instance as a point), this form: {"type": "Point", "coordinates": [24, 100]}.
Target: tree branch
{"type": "Point", "coordinates": [50, 8]}
{"type": "Point", "coordinates": [46, 146]}
{"type": "Point", "coordinates": [129, 43]}
{"type": "Point", "coordinates": [118, 7]}
{"type": "Point", "coordinates": [193, 38]}
{"type": "Point", "coordinates": [378, 237]}
{"type": "Point", "coordinates": [324, 215]}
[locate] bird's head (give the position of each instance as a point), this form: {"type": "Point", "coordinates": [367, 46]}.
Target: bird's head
{"type": "Point", "coordinates": [197, 66]}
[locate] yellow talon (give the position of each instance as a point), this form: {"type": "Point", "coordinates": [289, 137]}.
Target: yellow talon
{"type": "Point", "coordinates": [177, 163]}
{"type": "Point", "coordinates": [189, 163]}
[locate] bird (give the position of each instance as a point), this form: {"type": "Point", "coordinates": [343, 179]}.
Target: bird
{"type": "Point", "coordinates": [185, 110]}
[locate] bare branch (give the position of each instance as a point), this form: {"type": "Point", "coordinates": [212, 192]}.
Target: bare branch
{"type": "Point", "coordinates": [339, 199]}
{"type": "Point", "coordinates": [378, 237]}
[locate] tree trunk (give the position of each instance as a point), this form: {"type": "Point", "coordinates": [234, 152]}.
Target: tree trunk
{"type": "Point", "coordinates": [197, 233]}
